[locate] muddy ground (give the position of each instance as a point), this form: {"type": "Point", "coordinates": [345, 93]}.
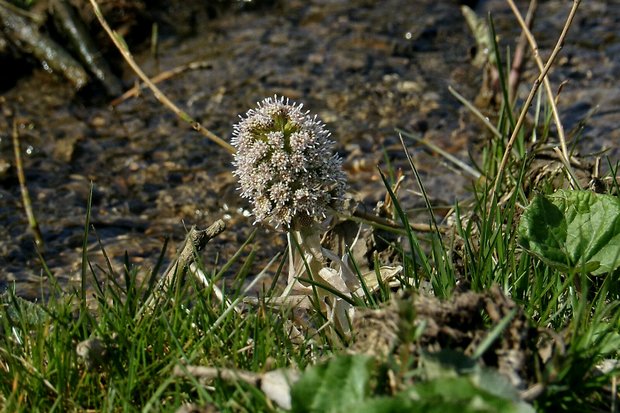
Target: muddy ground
{"type": "Point", "coordinates": [365, 67]}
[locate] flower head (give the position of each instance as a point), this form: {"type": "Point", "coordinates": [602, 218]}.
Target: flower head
{"type": "Point", "coordinates": [285, 165]}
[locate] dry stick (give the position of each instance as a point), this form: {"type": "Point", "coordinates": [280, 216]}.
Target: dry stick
{"type": "Point", "coordinates": [233, 305]}
{"type": "Point", "coordinates": [204, 280]}
{"type": "Point", "coordinates": [567, 167]}
{"type": "Point", "coordinates": [195, 241]}
{"type": "Point", "coordinates": [159, 95]}
{"type": "Point", "coordinates": [32, 221]}
{"type": "Point", "coordinates": [519, 55]}
{"type": "Point", "coordinates": [390, 224]}
{"type": "Point", "coordinates": [556, 115]}
{"type": "Point", "coordinates": [614, 393]}
{"type": "Point", "coordinates": [528, 102]}
{"type": "Point", "coordinates": [168, 74]}
{"type": "Point", "coordinates": [275, 384]}
{"type": "Point", "coordinates": [209, 373]}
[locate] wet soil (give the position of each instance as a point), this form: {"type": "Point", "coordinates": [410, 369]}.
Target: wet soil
{"type": "Point", "coordinates": [364, 67]}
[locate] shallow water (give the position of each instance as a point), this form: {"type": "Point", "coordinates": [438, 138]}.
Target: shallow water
{"type": "Point", "coordinates": [364, 67]}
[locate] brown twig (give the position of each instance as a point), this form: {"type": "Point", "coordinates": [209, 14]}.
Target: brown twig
{"type": "Point", "coordinates": [552, 102]}
{"type": "Point", "coordinates": [210, 373]}
{"type": "Point", "coordinates": [32, 220]}
{"type": "Point", "coordinates": [165, 75]}
{"type": "Point", "coordinates": [159, 95]}
{"type": "Point", "coordinates": [195, 241]}
{"type": "Point", "coordinates": [520, 51]}
{"type": "Point", "coordinates": [275, 384]}
{"type": "Point", "coordinates": [391, 224]}
{"type": "Point", "coordinates": [528, 101]}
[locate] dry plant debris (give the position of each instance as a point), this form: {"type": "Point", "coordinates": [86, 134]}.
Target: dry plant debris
{"type": "Point", "coordinates": [461, 323]}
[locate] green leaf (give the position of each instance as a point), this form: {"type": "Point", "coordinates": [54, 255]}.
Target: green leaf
{"type": "Point", "coordinates": [462, 395]}
{"type": "Point", "coordinates": [573, 230]}
{"type": "Point", "coordinates": [456, 381]}
{"type": "Point", "coordinates": [19, 309]}
{"type": "Point", "coordinates": [333, 385]}
{"type": "Point", "coordinates": [398, 404]}
{"type": "Point", "coordinates": [341, 385]}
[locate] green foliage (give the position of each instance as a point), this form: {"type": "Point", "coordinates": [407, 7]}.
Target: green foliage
{"type": "Point", "coordinates": [464, 394]}
{"type": "Point", "coordinates": [573, 231]}
{"type": "Point", "coordinates": [40, 369]}
{"type": "Point", "coordinates": [16, 308]}
{"type": "Point", "coordinates": [569, 235]}
{"type": "Point", "coordinates": [343, 384]}
{"type": "Point", "coordinates": [334, 386]}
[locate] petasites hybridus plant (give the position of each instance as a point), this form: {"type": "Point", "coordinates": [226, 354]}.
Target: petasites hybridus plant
{"type": "Point", "coordinates": [287, 171]}
{"type": "Point", "coordinates": [285, 164]}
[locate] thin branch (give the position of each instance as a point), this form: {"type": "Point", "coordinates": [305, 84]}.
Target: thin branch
{"type": "Point", "coordinates": [552, 102]}
{"type": "Point", "coordinates": [210, 373]}
{"type": "Point", "coordinates": [195, 241]}
{"type": "Point", "coordinates": [390, 225]}
{"type": "Point", "coordinates": [520, 51]}
{"type": "Point", "coordinates": [21, 177]}
{"type": "Point", "coordinates": [36, 18]}
{"type": "Point", "coordinates": [528, 102]}
{"type": "Point", "coordinates": [165, 75]}
{"type": "Point", "coordinates": [159, 95]}
{"type": "Point", "coordinates": [566, 163]}
{"type": "Point", "coordinates": [275, 384]}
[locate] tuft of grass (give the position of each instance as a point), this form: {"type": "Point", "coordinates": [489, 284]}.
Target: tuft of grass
{"type": "Point", "coordinates": [41, 370]}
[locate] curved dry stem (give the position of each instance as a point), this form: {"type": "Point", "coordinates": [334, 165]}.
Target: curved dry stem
{"type": "Point", "coordinates": [195, 241]}
{"type": "Point", "coordinates": [543, 74]}
{"type": "Point", "coordinates": [518, 58]}
{"type": "Point", "coordinates": [552, 102]}
{"type": "Point", "coordinates": [159, 95]}
{"type": "Point", "coordinates": [21, 177]}
{"type": "Point", "coordinates": [160, 77]}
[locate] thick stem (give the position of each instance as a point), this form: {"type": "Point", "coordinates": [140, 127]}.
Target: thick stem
{"type": "Point", "coordinates": [304, 253]}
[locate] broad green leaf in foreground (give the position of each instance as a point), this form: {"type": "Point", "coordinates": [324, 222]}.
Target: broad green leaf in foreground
{"type": "Point", "coordinates": [573, 230]}
{"type": "Point", "coordinates": [342, 385]}
{"type": "Point", "coordinates": [463, 394]}
{"type": "Point", "coordinates": [328, 387]}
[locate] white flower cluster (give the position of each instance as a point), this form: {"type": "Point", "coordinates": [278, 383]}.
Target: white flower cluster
{"type": "Point", "coordinates": [285, 165]}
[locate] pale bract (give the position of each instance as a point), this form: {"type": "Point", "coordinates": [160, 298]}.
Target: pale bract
{"type": "Point", "coordinates": [285, 165]}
